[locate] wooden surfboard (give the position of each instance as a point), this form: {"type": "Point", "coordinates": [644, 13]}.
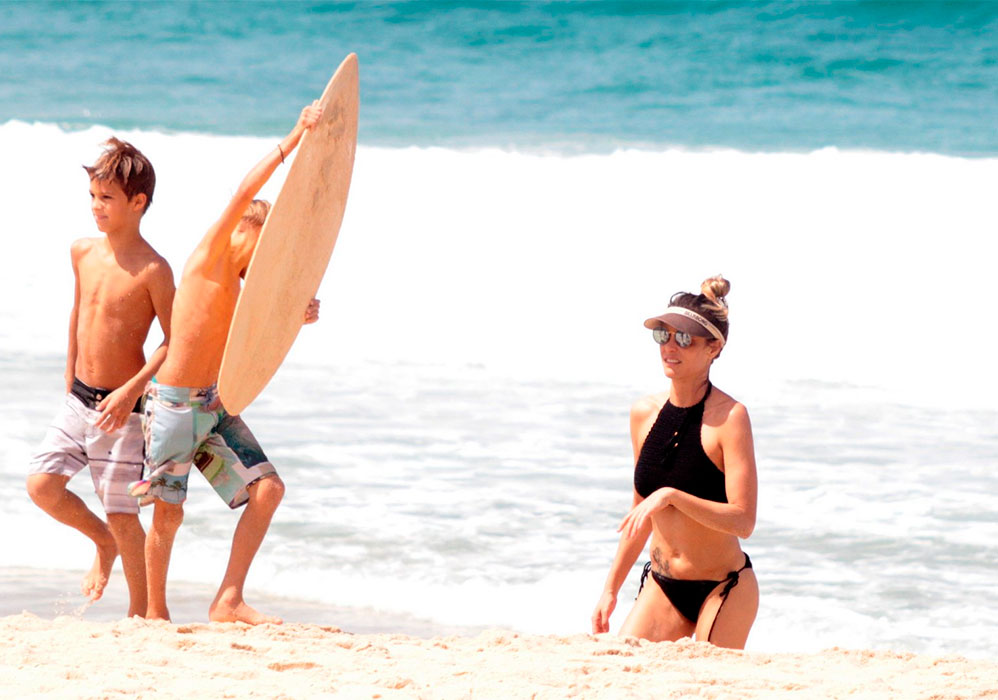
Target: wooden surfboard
{"type": "Point", "coordinates": [294, 248]}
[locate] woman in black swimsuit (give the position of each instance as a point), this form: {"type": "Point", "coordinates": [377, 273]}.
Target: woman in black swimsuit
{"type": "Point", "coordinates": [694, 490]}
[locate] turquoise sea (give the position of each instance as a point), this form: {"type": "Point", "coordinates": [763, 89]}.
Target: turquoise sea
{"type": "Point", "coordinates": [895, 76]}
{"type": "Point", "coordinates": [533, 180]}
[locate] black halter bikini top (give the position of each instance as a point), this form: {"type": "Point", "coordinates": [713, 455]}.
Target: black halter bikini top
{"type": "Point", "coordinates": [673, 456]}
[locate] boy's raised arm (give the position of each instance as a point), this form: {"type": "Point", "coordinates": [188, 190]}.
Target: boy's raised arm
{"type": "Point", "coordinates": [218, 234]}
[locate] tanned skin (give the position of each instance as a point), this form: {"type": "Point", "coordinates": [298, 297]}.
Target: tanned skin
{"type": "Point", "coordinates": [122, 285]}
{"type": "Point", "coordinates": [202, 312]}
{"type": "Point", "coordinates": [691, 538]}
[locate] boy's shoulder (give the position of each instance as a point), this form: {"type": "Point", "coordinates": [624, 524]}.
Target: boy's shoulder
{"type": "Point", "coordinates": [153, 267]}
{"type": "Point", "coordinates": [157, 275]}
{"type": "Point", "coordinates": [151, 257]}
{"type": "Point", "coordinates": [140, 260]}
{"type": "Point", "coordinates": [82, 246]}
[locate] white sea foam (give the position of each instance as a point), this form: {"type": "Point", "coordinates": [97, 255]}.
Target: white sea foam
{"type": "Point", "coordinates": [859, 267]}
{"type": "Point", "coordinates": [453, 432]}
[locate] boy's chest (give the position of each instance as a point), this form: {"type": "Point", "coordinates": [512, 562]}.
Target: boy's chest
{"type": "Point", "coordinates": [109, 285]}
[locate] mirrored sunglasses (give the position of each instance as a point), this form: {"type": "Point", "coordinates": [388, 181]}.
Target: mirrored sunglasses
{"type": "Point", "coordinates": [662, 335]}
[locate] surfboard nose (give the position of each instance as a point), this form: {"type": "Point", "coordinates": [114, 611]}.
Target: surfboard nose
{"type": "Point", "coordinates": [295, 246]}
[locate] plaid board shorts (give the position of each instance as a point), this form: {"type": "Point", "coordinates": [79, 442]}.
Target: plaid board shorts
{"type": "Point", "coordinates": [185, 427]}
{"type": "Point", "coordinates": [72, 442]}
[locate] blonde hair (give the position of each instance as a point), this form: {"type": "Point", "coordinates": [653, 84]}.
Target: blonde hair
{"type": "Point", "coordinates": [715, 289]}
{"type": "Point", "coordinates": [709, 303]}
{"type": "Point", "coordinates": [256, 213]}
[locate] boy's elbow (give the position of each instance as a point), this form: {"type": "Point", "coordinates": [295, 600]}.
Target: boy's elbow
{"type": "Point", "coordinates": [246, 190]}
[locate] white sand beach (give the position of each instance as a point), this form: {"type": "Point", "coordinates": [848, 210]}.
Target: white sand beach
{"type": "Point", "coordinates": [70, 658]}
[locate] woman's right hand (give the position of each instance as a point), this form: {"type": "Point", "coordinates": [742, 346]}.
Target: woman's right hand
{"type": "Point", "coordinates": [604, 608]}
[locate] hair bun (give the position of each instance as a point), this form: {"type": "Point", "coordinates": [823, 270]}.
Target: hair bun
{"type": "Point", "coordinates": [716, 288]}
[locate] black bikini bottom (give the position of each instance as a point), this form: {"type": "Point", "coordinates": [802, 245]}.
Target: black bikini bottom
{"type": "Point", "coordinates": [689, 595]}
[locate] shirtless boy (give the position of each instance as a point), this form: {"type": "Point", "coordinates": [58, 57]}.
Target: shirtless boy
{"type": "Point", "coordinates": [185, 423]}
{"type": "Point", "coordinates": [122, 284]}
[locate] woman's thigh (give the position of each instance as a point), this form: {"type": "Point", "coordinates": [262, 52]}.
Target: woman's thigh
{"type": "Point", "coordinates": [726, 622]}
{"type": "Point", "coordinates": [654, 618]}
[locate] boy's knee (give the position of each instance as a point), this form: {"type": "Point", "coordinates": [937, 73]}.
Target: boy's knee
{"type": "Point", "coordinates": [267, 491]}
{"type": "Point", "coordinates": [46, 489]}
{"type": "Point", "coordinates": [123, 523]}
{"type": "Point", "coordinates": [167, 517]}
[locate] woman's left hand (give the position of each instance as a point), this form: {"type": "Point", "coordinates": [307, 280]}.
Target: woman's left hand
{"type": "Point", "coordinates": [636, 520]}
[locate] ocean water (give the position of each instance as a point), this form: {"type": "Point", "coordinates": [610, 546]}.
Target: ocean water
{"type": "Point", "coordinates": [593, 74]}
{"type": "Point", "coordinates": [532, 181]}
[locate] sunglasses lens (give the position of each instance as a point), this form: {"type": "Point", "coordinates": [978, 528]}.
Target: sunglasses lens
{"type": "Point", "coordinates": [662, 335]}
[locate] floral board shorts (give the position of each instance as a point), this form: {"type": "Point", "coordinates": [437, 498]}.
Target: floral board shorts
{"type": "Point", "coordinates": [185, 427]}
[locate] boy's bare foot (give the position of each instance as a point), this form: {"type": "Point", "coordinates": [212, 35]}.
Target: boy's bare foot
{"type": "Point", "coordinates": [152, 614]}
{"type": "Point", "coordinates": [95, 580]}
{"type": "Point", "coordinates": [231, 608]}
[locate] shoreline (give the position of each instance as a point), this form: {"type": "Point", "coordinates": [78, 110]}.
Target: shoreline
{"type": "Point", "coordinates": [53, 594]}
{"type": "Point", "coordinates": [68, 657]}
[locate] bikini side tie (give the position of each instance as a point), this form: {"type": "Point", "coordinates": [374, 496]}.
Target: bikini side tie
{"type": "Point", "coordinates": [732, 579]}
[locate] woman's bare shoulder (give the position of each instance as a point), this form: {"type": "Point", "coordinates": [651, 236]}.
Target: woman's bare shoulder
{"type": "Point", "coordinates": [648, 405]}
{"type": "Point", "coordinates": [724, 409]}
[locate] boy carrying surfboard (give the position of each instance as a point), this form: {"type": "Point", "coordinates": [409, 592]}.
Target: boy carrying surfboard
{"type": "Point", "coordinates": [186, 424]}
{"type": "Point", "coordinates": [122, 285]}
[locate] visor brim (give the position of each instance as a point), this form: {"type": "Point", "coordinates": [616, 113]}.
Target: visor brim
{"type": "Point", "coordinates": [686, 325]}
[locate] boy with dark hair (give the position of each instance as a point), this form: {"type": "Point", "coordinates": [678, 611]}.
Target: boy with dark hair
{"type": "Point", "coordinates": [122, 285]}
{"type": "Point", "coordinates": [185, 424]}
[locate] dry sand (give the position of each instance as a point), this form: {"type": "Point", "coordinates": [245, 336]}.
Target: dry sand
{"type": "Point", "coordinates": [71, 658]}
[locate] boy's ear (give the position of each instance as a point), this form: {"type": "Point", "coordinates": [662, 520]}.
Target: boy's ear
{"type": "Point", "coordinates": [138, 202]}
